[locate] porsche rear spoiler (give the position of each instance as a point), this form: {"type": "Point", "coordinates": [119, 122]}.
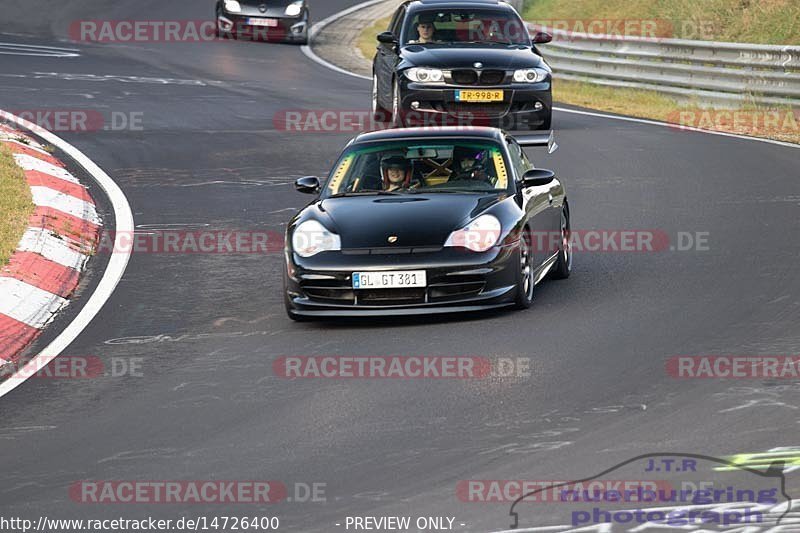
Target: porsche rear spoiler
{"type": "Point", "coordinates": [538, 139]}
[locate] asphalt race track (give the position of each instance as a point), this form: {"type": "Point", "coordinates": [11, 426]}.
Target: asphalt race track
{"type": "Point", "coordinates": [208, 327]}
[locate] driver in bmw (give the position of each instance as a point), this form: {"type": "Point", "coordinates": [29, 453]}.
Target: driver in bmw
{"type": "Point", "coordinates": [426, 30]}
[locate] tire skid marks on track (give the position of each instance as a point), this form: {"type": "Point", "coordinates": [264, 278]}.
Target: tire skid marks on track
{"type": "Point", "coordinates": [19, 49]}
{"type": "Point", "coordinates": [249, 176]}
{"type": "Point", "coordinates": [68, 76]}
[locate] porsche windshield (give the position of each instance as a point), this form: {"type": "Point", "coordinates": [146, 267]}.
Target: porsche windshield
{"type": "Point", "coordinates": [413, 167]}
{"type": "Point", "coordinates": [449, 26]}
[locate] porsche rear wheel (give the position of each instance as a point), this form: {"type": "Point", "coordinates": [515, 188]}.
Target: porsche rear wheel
{"type": "Point", "coordinates": [563, 267]}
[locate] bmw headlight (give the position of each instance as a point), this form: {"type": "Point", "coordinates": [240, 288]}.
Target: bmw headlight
{"type": "Point", "coordinates": [233, 6]}
{"type": "Point", "coordinates": [311, 238]}
{"type": "Point", "coordinates": [479, 235]}
{"type": "Point", "coordinates": [294, 9]}
{"type": "Point", "coordinates": [530, 75]}
{"type": "Point", "coordinates": [425, 75]}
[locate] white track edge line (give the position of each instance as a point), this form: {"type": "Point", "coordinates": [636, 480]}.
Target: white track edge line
{"type": "Point", "coordinates": [319, 26]}
{"type": "Point", "coordinates": [676, 126]}
{"type": "Point", "coordinates": [114, 270]}
{"type": "Point", "coordinates": [306, 49]}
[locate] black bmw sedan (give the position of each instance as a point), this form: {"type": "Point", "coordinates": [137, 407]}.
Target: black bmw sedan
{"type": "Point", "coordinates": [421, 220]}
{"type": "Point", "coordinates": [461, 62]}
{"type": "Point", "coordinates": [263, 20]}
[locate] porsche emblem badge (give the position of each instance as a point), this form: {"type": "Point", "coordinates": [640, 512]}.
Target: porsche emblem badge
{"type": "Point", "coordinates": [263, 8]}
{"type": "Point", "coordinates": [392, 239]}
{"type": "Point", "coordinates": [478, 65]}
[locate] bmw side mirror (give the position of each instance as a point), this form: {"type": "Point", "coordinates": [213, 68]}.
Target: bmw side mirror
{"type": "Point", "coordinates": [387, 37]}
{"type": "Point", "coordinates": [542, 37]}
{"type": "Point", "coordinates": [307, 185]}
{"type": "Point", "coordinates": [537, 177]}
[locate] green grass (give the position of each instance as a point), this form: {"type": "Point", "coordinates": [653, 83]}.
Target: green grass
{"type": "Point", "coordinates": [746, 21]}
{"type": "Point", "coordinates": [782, 124]}
{"type": "Point", "coordinates": [15, 204]}
{"type": "Point", "coordinates": [367, 42]}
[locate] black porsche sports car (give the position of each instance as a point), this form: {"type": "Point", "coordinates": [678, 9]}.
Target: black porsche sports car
{"type": "Point", "coordinates": [267, 20]}
{"type": "Point", "coordinates": [421, 220]}
{"type": "Point", "coordinates": [458, 62]}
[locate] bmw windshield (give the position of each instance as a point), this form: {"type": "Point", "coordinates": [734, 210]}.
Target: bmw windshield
{"type": "Point", "coordinates": [464, 26]}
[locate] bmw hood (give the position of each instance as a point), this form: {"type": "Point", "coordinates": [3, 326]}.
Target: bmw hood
{"type": "Point", "coordinates": [415, 219]}
{"type": "Point", "coordinates": [446, 57]}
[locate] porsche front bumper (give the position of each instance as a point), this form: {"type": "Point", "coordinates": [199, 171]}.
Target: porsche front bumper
{"type": "Point", "coordinates": [457, 281]}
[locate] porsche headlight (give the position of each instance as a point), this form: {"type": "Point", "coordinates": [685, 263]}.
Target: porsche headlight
{"type": "Point", "coordinates": [232, 6]}
{"type": "Point", "coordinates": [479, 235]}
{"type": "Point", "coordinates": [311, 238]}
{"type": "Point", "coordinates": [294, 9]}
{"type": "Point", "coordinates": [425, 75]}
{"type": "Point", "coordinates": [530, 75]}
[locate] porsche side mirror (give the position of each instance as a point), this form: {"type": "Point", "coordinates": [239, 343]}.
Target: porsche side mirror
{"type": "Point", "coordinates": [537, 177]}
{"type": "Point", "coordinates": [307, 185]}
{"type": "Point", "coordinates": [387, 37]}
{"type": "Point", "coordinates": [542, 37]}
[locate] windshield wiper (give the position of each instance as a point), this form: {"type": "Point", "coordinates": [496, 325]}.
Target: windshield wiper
{"type": "Point", "coordinates": [504, 43]}
{"type": "Point", "coordinates": [453, 191]}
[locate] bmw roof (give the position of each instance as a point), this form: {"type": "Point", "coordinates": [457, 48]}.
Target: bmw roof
{"type": "Point", "coordinates": [419, 4]}
{"type": "Point", "coordinates": [437, 2]}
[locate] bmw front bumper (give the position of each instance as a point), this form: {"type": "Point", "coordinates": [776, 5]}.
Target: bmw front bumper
{"type": "Point", "coordinates": [522, 105]}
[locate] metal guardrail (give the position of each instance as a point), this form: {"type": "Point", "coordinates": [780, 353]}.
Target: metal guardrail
{"type": "Point", "coordinates": [715, 73]}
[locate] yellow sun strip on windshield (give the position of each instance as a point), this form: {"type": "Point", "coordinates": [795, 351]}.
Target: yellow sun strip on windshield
{"type": "Point", "coordinates": [500, 166]}
{"type": "Point", "coordinates": [344, 166]}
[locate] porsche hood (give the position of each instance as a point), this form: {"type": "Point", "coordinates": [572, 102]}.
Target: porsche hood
{"type": "Point", "coordinates": [416, 220]}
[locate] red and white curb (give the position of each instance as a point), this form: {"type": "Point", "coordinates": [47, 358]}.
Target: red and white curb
{"type": "Point", "coordinates": [114, 270]}
{"type": "Point", "coordinates": [44, 271]}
